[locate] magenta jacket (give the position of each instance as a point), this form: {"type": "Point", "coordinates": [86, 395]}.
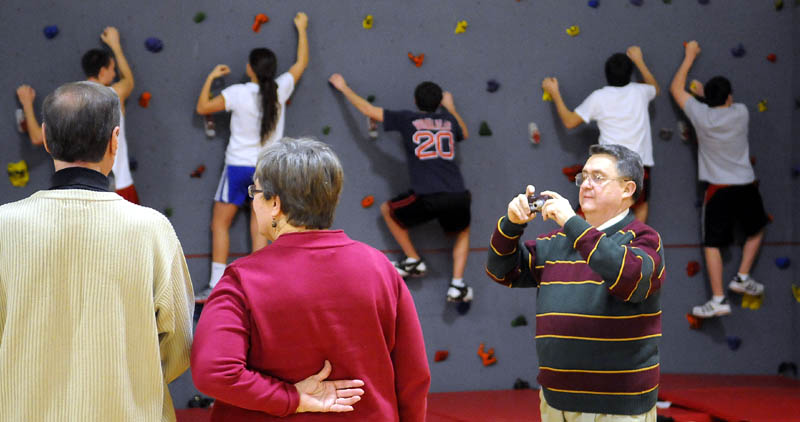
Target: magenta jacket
{"type": "Point", "coordinates": [277, 314]}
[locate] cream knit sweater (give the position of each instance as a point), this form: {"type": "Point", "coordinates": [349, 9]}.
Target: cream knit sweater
{"type": "Point", "coordinates": [95, 309]}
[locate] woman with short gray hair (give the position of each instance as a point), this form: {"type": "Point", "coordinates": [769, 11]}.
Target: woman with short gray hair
{"type": "Point", "coordinates": [312, 298]}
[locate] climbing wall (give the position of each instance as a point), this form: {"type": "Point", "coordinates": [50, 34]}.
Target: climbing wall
{"type": "Point", "coordinates": [466, 44]}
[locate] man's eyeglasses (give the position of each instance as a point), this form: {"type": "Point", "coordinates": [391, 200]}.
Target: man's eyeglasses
{"type": "Point", "coordinates": [596, 179]}
{"type": "Point", "coordinates": [252, 191]}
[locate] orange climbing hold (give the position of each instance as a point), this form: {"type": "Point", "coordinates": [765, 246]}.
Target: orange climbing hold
{"type": "Point", "coordinates": [259, 20]}
{"type": "Point", "coordinates": [487, 357]}
{"type": "Point", "coordinates": [144, 99]}
{"type": "Point", "coordinates": [417, 60]}
{"type": "Point", "coordinates": [367, 201]}
{"type": "Point", "coordinates": [695, 323]}
{"type": "Point", "coordinates": [441, 355]}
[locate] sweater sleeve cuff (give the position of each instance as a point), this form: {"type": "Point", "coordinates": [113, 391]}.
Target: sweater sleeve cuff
{"type": "Point", "coordinates": [509, 229]}
{"type": "Point", "coordinates": [575, 227]}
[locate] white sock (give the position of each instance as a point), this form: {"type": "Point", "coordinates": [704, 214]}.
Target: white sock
{"type": "Point", "coordinates": [458, 282]}
{"type": "Point", "coordinates": [718, 299]}
{"type": "Point", "coordinates": [743, 277]}
{"type": "Point", "coordinates": [411, 260]}
{"type": "Point", "coordinates": [217, 269]}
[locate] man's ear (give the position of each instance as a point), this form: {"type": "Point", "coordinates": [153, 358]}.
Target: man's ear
{"type": "Point", "coordinates": [44, 140]}
{"type": "Point", "coordinates": [629, 189]}
{"type": "Point", "coordinates": [113, 143]}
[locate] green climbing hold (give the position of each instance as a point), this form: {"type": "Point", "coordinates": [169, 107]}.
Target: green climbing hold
{"type": "Point", "coordinates": [168, 212]}
{"type": "Point", "coordinates": [484, 130]}
{"type": "Point", "coordinates": [371, 98]}
{"type": "Point", "coordinates": [519, 321]}
{"type": "Point", "coordinates": [326, 130]}
{"type": "Point", "coordinates": [199, 17]}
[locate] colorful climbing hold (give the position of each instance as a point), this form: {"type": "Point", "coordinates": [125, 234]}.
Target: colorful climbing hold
{"type": "Point", "coordinates": [487, 356]}
{"type": "Point", "coordinates": [199, 17]}
{"type": "Point", "coordinates": [665, 134]}
{"type": "Point", "coordinates": [733, 342]}
{"type": "Point", "coordinates": [370, 99]}
{"type": "Point", "coordinates": [667, 1]}
{"type": "Point", "coordinates": [198, 172]}
{"type": "Point", "coordinates": [417, 60]}
{"type": "Point", "coordinates": [752, 302]}
{"type": "Point", "coordinates": [492, 85]}
{"type": "Point", "coordinates": [703, 1]}
{"type": "Point", "coordinates": [133, 163]}
{"type": "Point", "coordinates": [153, 44]}
{"type": "Point", "coordinates": [594, 3]}
{"type": "Point", "coordinates": [796, 292]}
{"type": "Point", "coordinates": [209, 126]}
{"type": "Point", "coordinates": [783, 262]}
{"type": "Point", "coordinates": [18, 173]}
{"type": "Point", "coordinates": [637, 2]}
{"type": "Point", "coordinates": [441, 355]}
{"type": "Point", "coordinates": [573, 30]}
{"type": "Point", "coordinates": [695, 323]}
{"type": "Point", "coordinates": [772, 57]}
{"type": "Point", "coordinates": [484, 129]}
{"type": "Point", "coordinates": [461, 27]}
{"type": "Point", "coordinates": [50, 31]}
{"type": "Point", "coordinates": [367, 22]}
{"type": "Point", "coordinates": [796, 171]}
{"type": "Point", "coordinates": [684, 131]}
{"type": "Point", "coordinates": [326, 130]}
{"type": "Point", "coordinates": [259, 20]}
{"type": "Point", "coordinates": [692, 268]}
{"type": "Point", "coordinates": [168, 212]}
{"type": "Point", "coordinates": [521, 384]}
{"type": "Point", "coordinates": [367, 201]}
{"type": "Point", "coordinates": [546, 96]}
{"type": "Point", "coordinates": [533, 133]}
{"type": "Point", "coordinates": [762, 106]}
{"type": "Point", "coordinates": [19, 116]}
{"type": "Point", "coordinates": [463, 307]}
{"type": "Point", "coordinates": [572, 171]}
{"type": "Point", "coordinates": [738, 51]}
{"type": "Point", "coordinates": [778, 5]}
{"type": "Point", "coordinates": [144, 99]}
{"type": "Point", "coordinates": [519, 321]}
{"type": "Point", "coordinates": [372, 128]}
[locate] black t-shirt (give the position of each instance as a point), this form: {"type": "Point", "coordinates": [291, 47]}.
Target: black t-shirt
{"type": "Point", "coordinates": [429, 140]}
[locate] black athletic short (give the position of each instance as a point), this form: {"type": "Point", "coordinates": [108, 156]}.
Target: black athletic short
{"type": "Point", "coordinates": [725, 207]}
{"type": "Point", "coordinates": [451, 209]}
{"type": "Point", "coordinates": [644, 195]}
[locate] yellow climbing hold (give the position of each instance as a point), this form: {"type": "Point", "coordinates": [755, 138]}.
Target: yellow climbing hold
{"type": "Point", "coordinates": [796, 292]}
{"type": "Point", "coordinates": [752, 302]}
{"type": "Point", "coordinates": [546, 96]}
{"type": "Point", "coordinates": [18, 173]}
{"type": "Point", "coordinates": [762, 106]}
{"type": "Point", "coordinates": [573, 30]}
{"type": "Point", "coordinates": [461, 27]}
{"type": "Point", "coordinates": [367, 22]}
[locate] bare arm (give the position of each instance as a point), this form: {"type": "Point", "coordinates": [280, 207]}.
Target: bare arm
{"type": "Point", "coordinates": [206, 104]}
{"type": "Point", "coordinates": [367, 109]}
{"type": "Point", "coordinates": [635, 54]}
{"type": "Point", "coordinates": [26, 94]}
{"type": "Point", "coordinates": [124, 86]}
{"type": "Point", "coordinates": [678, 86]}
{"type": "Point", "coordinates": [449, 105]}
{"type": "Point", "coordinates": [569, 118]}
{"type": "Point", "coordinates": [297, 69]}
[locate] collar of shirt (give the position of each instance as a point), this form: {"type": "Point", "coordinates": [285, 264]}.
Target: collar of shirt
{"type": "Point", "coordinates": [614, 220]}
{"type": "Point", "coordinates": [79, 178]}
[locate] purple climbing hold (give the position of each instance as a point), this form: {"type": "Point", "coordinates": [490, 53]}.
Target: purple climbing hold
{"type": "Point", "coordinates": [594, 3]}
{"type": "Point", "coordinates": [50, 32]}
{"type": "Point", "coordinates": [783, 262]}
{"type": "Point", "coordinates": [637, 2]}
{"type": "Point", "coordinates": [492, 85]}
{"type": "Point", "coordinates": [153, 44]}
{"type": "Point", "coordinates": [738, 51]}
{"type": "Point", "coordinates": [733, 342]}
{"type": "Point", "coordinates": [703, 1]}
{"type": "Point", "coordinates": [796, 171]}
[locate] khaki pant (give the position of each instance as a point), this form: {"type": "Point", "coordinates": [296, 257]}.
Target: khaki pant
{"type": "Point", "coordinates": [554, 415]}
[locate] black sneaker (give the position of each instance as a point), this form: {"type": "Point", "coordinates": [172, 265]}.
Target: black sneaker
{"type": "Point", "coordinates": [410, 269]}
{"type": "Point", "coordinates": [459, 294]}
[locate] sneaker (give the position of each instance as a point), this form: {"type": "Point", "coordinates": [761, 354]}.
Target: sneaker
{"type": "Point", "coordinates": [459, 294]}
{"type": "Point", "coordinates": [410, 269]}
{"type": "Point", "coordinates": [748, 287]}
{"type": "Point", "coordinates": [203, 295]}
{"type": "Point", "coordinates": [712, 309]}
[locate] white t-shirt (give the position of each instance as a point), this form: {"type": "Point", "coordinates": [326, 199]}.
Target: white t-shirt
{"type": "Point", "coordinates": [622, 116]}
{"type": "Point", "coordinates": [122, 168]}
{"type": "Point", "coordinates": [723, 153]}
{"type": "Point", "coordinates": [244, 101]}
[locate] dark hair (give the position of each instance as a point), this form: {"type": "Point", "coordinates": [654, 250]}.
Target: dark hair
{"type": "Point", "coordinates": [94, 60]}
{"type": "Point", "coordinates": [79, 118]}
{"type": "Point", "coordinates": [619, 69]}
{"type": "Point", "coordinates": [428, 96]}
{"type": "Point", "coordinates": [717, 91]}
{"type": "Point", "coordinates": [306, 175]}
{"type": "Point", "coordinates": [264, 63]}
{"type": "Point", "coordinates": [629, 164]}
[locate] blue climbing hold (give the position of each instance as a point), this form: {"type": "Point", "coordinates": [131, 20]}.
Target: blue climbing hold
{"type": "Point", "coordinates": [783, 262]}
{"type": "Point", "coordinates": [703, 1]}
{"type": "Point", "coordinates": [733, 342]}
{"type": "Point", "coordinates": [796, 171]}
{"type": "Point", "coordinates": [50, 32]}
{"type": "Point", "coordinates": [492, 85]}
{"type": "Point", "coordinates": [637, 2]}
{"type": "Point", "coordinates": [153, 44]}
{"type": "Point", "coordinates": [594, 3]}
{"type": "Point", "coordinates": [738, 51]}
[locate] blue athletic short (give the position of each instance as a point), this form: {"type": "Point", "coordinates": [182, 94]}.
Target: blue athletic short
{"type": "Point", "coordinates": [233, 184]}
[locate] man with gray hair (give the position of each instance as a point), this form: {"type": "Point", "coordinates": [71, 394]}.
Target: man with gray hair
{"type": "Point", "coordinates": [598, 311]}
{"type": "Point", "coordinates": [95, 297]}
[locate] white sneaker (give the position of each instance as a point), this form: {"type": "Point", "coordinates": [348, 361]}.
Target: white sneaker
{"type": "Point", "coordinates": [202, 296]}
{"type": "Point", "coordinates": [712, 309]}
{"type": "Point", "coordinates": [410, 269]}
{"type": "Point", "coordinates": [459, 294]}
{"type": "Point", "coordinates": [748, 287]}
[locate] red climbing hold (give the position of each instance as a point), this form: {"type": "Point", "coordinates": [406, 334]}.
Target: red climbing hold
{"type": "Point", "coordinates": [441, 355]}
{"type": "Point", "coordinates": [695, 323]}
{"type": "Point", "coordinates": [417, 60]}
{"type": "Point", "coordinates": [198, 172]}
{"type": "Point", "coordinates": [144, 99]}
{"type": "Point", "coordinates": [367, 201]}
{"type": "Point", "coordinates": [258, 21]}
{"type": "Point", "coordinates": [692, 268]}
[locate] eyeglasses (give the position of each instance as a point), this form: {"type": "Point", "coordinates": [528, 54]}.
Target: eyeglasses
{"type": "Point", "coordinates": [596, 179]}
{"type": "Point", "coordinates": [252, 191]}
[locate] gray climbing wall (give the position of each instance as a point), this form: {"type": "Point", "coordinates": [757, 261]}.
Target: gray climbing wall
{"type": "Point", "coordinates": [515, 42]}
